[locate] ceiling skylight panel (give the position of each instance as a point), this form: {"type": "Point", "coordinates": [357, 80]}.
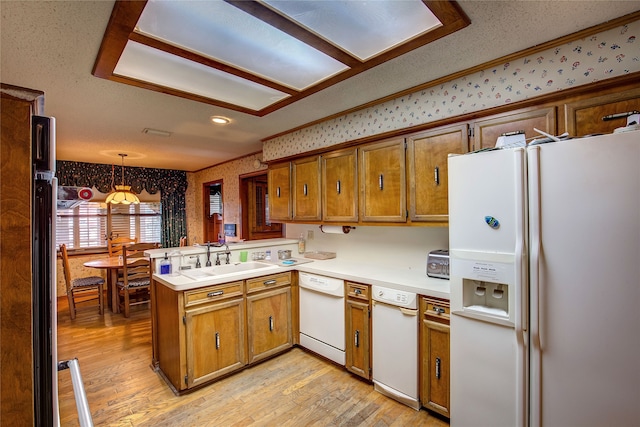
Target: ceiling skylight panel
{"type": "Point", "coordinates": [362, 28]}
{"type": "Point", "coordinates": [223, 32]}
{"type": "Point", "coordinates": [144, 63]}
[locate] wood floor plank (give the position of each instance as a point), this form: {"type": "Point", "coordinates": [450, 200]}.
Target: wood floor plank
{"type": "Point", "coordinates": [292, 389]}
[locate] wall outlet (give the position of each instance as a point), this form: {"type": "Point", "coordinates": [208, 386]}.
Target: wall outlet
{"type": "Point", "coordinates": [309, 234]}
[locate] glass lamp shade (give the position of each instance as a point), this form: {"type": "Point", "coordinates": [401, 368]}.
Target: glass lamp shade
{"type": "Point", "coordinates": [122, 195]}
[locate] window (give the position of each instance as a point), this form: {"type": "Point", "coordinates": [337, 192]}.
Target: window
{"type": "Point", "coordinates": [88, 224]}
{"type": "Point", "coordinates": [215, 201]}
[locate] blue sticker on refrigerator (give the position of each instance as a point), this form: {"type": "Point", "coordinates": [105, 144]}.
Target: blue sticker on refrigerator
{"type": "Point", "coordinates": [492, 222]}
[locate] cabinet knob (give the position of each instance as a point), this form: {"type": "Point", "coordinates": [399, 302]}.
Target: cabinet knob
{"type": "Point", "coordinates": [356, 339]}
{"type": "Point", "coordinates": [271, 323]}
{"type": "Point", "coordinates": [338, 186]}
{"type": "Point", "coordinates": [436, 173]}
{"type": "Point", "coordinates": [217, 340]}
{"type": "Point", "coordinates": [381, 181]}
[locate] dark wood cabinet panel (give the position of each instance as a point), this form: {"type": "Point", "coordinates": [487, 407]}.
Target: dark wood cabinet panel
{"type": "Point", "coordinates": [488, 129]}
{"type": "Point", "coordinates": [306, 189]}
{"type": "Point", "coordinates": [340, 186]}
{"type": "Point", "coordinates": [427, 158]}
{"type": "Point", "coordinates": [279, 177]}
{"type": "Point", "coordinates": [383, 181]}
{"type": "Point", "coordinates": [584, 117]}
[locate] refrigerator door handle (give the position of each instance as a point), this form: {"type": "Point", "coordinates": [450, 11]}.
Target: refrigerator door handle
{"type": "Point", "coordinates": [535, 291]}
{"type": "Point", "coordinates": [520, 314]}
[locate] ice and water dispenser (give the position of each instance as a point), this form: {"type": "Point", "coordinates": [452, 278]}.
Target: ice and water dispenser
{"type": "Point", "coordinates": [483, 287]}
{"type": "Point", "coordinates": [485, 297]}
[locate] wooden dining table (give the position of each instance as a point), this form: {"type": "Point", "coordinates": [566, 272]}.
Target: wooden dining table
{"type": "Point", "coordinates": [112, 265]}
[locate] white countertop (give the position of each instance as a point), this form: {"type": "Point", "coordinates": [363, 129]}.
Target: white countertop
{"type": "Point", "coordinates": [409, 280]}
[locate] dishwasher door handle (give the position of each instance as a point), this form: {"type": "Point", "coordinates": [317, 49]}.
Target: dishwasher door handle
{"type": "Point", "coordinates": [408, 311]}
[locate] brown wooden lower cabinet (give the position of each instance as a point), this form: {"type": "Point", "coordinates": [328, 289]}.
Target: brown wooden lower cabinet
{"type": "Point", "coordinates": [434, 345]}
{"type": "Point", "coordinates": [358, 329]}
{"type": "Point", "coordinates": [214, 340]}
{"type": "Point", "coordinates": [269, 323]}
{"type": "Point", "coordinates": [202, 334]}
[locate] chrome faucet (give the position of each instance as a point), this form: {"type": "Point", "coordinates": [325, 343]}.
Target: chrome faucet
{"type": "Point", "coordinates": [208, 263]}
{"type": "Point", "coordinates": [227, 253]}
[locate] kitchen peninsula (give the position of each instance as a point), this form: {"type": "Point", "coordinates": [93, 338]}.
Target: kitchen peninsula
{"type": "Point", "coordinates": [210, 322]}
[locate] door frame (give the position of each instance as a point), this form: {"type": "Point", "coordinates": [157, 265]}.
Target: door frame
{"type": "Point", "coordinates": [205, 209]}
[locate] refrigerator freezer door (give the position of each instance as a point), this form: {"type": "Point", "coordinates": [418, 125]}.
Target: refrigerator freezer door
{"type": "Point", "coordinates": [483, 189]}
{"type": "Point", "coordinates": [483, 376]}
{"type": "Point", "coordinates": [487, 237]}
{"type": "Point", "coordinates": [585, 281]}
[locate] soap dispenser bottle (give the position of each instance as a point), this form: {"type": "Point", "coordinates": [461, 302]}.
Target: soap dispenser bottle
{"type": "Point", "coordinates": [302, 245]}
{"type": "Point", "coordinates": [165, 265]}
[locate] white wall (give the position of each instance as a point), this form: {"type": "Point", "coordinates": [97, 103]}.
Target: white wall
{"type": "Point", "coordinates": [404, 247]}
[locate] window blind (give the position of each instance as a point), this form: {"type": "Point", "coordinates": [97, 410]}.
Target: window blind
{"type": "Point", "coordinates": [88, 225]}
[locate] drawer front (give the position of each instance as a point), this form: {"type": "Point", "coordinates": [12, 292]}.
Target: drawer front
{"type": "Point", "coordinates": [438, 309]}
{"type": "Point", "coordinates": [268, 282]}
{"type": "Point", "coordinates": [358, 291]}
{"type": "Point", "coordinates": [212, 293]}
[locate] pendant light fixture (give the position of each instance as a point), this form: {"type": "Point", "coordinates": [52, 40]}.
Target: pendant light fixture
{"type": "Point", "coordinates": [122, 193]}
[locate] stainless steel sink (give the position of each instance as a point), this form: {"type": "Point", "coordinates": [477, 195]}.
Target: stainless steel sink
{"type": "Point", "coordinates": [225, 270]}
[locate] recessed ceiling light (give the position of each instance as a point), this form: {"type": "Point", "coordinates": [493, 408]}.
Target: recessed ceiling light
{"type": "Point", "coordinates": [220, 120]}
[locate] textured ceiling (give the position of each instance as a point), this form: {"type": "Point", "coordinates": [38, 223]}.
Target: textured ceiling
{"type": "Point", "coordinates": [52, 46]}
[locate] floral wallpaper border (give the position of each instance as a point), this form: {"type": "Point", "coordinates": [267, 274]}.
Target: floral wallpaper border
{"type": "Point", "coordinates": [598, 57]}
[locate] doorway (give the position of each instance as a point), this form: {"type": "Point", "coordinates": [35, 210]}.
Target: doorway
{"type": "Point", "coordinates": [254, 199]}
{"type": "Point", "coordinates": [213, 207]}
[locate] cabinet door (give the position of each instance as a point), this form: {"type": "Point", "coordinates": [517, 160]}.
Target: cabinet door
{"type": "Point", "coordinates": [383, 182]}
{"type": "Point", "coordinates": [584, 117]}
{"type": "Point", "coordinates": [214, 340]}
{"type": "Point", "coordinates": [487, 130]}
{"type": "Point", "coordinates": [269, 323]}
{"type": "Point", "coordinates": [279, 186]}
{"type": "Point", "coordinates": [306, 189]}
{"type": "Point", "coordinates": [435, 367]}
{"type": "Point", "coordinates": [340, 186]}
{"type": "Point", "coordinates": [427, 156]}
{"type": "Point", "coordinates": [357, 337]}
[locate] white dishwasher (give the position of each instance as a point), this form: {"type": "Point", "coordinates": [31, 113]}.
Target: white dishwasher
{"type": "Point", "coordinates": [322, 316]}
{"type": "Point", "coordinates": [395, 344]}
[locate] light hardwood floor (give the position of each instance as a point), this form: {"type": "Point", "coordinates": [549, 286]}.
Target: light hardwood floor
{"type": "Point", "coordinates": [293, 389]}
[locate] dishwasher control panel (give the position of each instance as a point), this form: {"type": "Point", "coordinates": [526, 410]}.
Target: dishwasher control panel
{"type": "Point", "coordinates": [394, 297]}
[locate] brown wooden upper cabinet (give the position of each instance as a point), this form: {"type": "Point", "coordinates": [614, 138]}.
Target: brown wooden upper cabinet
{"type": "Point", "coordinates": [584, 117]}
{"type": "Point", "coordinates": [488, 129]}
{"type": "Point", "coordinates": [340, 186]}
{"type": "Point", "coordinates": [427, 157]}
{"type": "Point", "coordinates": [383, 181]}
{"type": "Point", "coordinates": [279, 185]}
{"type": "Point", "coordinates": [306, 189]}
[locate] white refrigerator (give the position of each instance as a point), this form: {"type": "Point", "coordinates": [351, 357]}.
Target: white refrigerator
{"type": "Point", "coordinates": [545, 284]}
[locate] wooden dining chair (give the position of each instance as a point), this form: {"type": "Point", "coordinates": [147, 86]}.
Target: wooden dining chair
{"type": "Point", "coordinates": [82, 289]}
{"type": "Point", "coordinates": [115, 244]}
{"type": "Point", "coordinates": [133, 285]}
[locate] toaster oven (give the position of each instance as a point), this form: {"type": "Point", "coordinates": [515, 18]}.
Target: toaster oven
{"type": "Point", "coordinates": [438, 264]}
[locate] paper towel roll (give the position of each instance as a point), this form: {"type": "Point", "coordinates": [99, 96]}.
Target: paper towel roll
{"type": "Point", "coordinates": [335, 229]}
